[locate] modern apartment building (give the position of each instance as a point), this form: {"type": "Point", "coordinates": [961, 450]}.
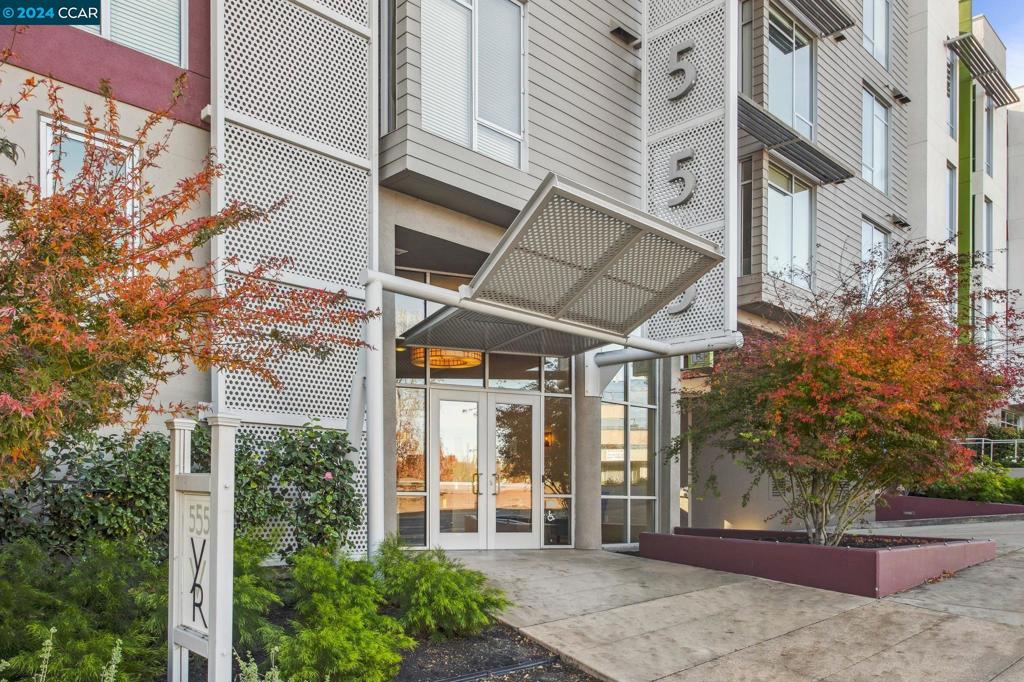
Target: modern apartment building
{"type": "Point", "coordinates": [555, 205]}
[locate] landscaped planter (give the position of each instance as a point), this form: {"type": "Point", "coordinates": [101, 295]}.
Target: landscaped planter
{"type": "Point", "coordinates": [871, 572]}
{"type": "Point", "coordinates": [902, 507]}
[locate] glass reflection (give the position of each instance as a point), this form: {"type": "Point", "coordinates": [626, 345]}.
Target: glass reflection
{"type": "Point", "coordinates": [613, 449]}
{"type": "Point", "coordinates": [641, 518]}
{"type": "Point", "coordinates": [557, 521]}
{"type": "Point", "coordinates": [613, 521]}
{"type": "Point", "coordinates": [410, 444]}
{"type": "Point", "coordinates": [515, 372]}
{"type": "Point", "coordinates": [412, 520]}
{"type": "Point", "coordinates": [641, 452]}
{"type": "Point", "coordinates": [513, 459]}
{"type": "Point", "coordinates": [557, 446]}
{"type": "Point", "coordinates": [459, 465]}
{"type": "Point", "coordinates": [557, 375]}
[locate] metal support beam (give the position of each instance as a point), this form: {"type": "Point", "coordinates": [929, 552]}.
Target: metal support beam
{"type": "Point", "coordinates": [618, 357]}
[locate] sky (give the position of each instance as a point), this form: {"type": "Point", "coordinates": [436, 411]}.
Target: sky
{"type": "Point", "coordinates": [1008, 20]}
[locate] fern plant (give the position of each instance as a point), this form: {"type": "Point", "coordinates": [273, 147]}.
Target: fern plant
{"type": "Point", "coordinates": [436, 596]}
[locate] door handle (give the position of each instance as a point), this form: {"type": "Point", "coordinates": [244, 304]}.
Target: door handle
{"type": "Point", "coordinates": [497, 484]}
{"type": "Point", "coordinates": [476, 483]}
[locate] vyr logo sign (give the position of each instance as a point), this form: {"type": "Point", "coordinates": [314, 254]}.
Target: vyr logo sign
{"type": "Point", "coordinates": [198, 571]}
{"type": "Point", "coordinates": [194, 555]}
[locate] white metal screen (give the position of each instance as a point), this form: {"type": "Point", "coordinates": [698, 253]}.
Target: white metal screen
{"type": "Point", "coordinates": [690, 86]}
{"type": "Point", "coordinates": [294, 117]}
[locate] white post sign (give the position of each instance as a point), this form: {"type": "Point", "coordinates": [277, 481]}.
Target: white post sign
{"type": "Point", "coordinates": [201, 551]}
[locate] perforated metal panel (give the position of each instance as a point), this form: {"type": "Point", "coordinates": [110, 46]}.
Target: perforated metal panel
{"type": "Point", "coordinates": [289, 67]}
{"type": "Point", "coordinates": [321, 226]}
{"type": "Point", "coordinates": [690, 148]}
{"type": "Point", "coordinates": [708, 57]}
{"type": "Point", "coordinates": [581, 257]}
{"type": "Point", "coordinates": [293, 119]}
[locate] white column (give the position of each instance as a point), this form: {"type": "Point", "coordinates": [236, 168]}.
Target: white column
{"type": "Point", "coordinates": [374, 417]}
{"type": "Point", "coordinates": [222, 540]}
{"type": "Point", "coordinates": [181, 463]}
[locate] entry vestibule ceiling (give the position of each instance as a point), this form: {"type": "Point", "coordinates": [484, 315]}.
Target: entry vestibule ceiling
{"type": "Point", "coordinates": [571, 256]}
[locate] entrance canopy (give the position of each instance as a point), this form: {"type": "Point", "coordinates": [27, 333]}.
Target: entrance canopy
{"type": "Point", "coordinates": [576, 270]}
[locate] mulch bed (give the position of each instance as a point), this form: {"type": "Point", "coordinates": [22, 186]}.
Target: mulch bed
{"type": "Point", "coordinates": [470, 658]}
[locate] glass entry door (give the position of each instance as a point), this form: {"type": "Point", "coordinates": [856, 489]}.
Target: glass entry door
{"type": "Point", "coordinates": [484, 469]}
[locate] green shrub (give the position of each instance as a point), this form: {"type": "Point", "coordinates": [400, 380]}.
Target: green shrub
{"type": "Point", "coordinates": [983, 484]}
{"type": "Point", "coordinates": [255, 593]}
{"type": "Point", "coordinates": [41, 670]}
{"type": "Point", "coordinates": [435, 595]}
{"type": "Point", "coordinates": [94, 601]}
{"type": "Point", "coordinates": [340, 632]}
{"type": "Point", "coordinates": [116, 488]}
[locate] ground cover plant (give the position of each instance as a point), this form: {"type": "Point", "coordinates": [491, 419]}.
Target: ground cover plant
{"type": "Point", "coordinates": [864, 388]}
{"type": "Point", "coordinates": [988, 483]}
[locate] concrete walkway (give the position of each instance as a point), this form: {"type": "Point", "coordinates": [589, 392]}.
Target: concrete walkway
{"type": "Point", "coordinates": [627, 619]}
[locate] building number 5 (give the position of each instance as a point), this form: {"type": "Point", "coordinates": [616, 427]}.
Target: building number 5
{"type": "Point", "coordinates": [680, 65]}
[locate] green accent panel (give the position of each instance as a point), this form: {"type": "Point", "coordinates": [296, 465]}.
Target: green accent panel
{"type": "Point", "coordinates": [965, 140]}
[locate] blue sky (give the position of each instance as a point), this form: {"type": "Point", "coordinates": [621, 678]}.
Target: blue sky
{"type": "Point", "coordinates": [1008, 20]}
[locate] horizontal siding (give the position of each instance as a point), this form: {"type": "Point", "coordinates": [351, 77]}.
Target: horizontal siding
{"type": "Point", "coordinates": [584, 108]}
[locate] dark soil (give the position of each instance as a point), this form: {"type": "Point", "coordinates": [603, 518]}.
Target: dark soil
{"type": "Point", "coordinates": [497, 647]}
{"type": "Point", "coordinates": [858, 541]}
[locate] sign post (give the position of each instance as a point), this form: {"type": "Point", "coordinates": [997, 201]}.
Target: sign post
{"type": "Point", "coordinates": [201, 532]}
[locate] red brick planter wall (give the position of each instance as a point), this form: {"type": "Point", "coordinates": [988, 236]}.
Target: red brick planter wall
{"type": "Point", "coordinates": [902, 507]}
{"type": "Point", "coordinates": [867, 572]}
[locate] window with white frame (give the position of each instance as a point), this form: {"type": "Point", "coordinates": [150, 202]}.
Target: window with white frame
{"type": "Point", "coordinates": [952, 87]}
{"type": "Point", "coordinates": [876, 29]}
{"type": "Point", "coordinates": [951, 203]}
{"type": "Point", "coordinates": [789, 227]}
{"type": "Point", "coordinates": [69, 145]}
{"type": "Point", "coordinates": [629, 454]}
{"type": "Point", "coordinates": [988, 238]}
{"type": "Point", "coordinates": [874, 245]}
{"type": "Point", "coordinates": [874, 157]}
{"type": "Point", "coordinates": [472, 74]}
{"type": "Point", "coordinates": [790, 74]}
{"type": "Point", "coordinates": [746, 46]}
{"type": "Point", "coordinates": [990, 131]}
{"type": "Point", "coordinates": [153, 27]}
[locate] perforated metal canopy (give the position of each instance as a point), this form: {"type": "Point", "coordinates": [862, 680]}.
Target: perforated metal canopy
{"type": "Point", "coordinates": [973, 55]}
{"type": "Point", "coordinates": [776, 135]}
{"type": "Point", "coordinates": [577, 257]}
{"type": "Point", "coordinates": [827, 16]}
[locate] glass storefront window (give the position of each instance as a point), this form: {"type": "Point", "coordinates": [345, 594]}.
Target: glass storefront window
{"type": "Point", "coordinates": [558, 375]}
{"type": "Point", "coordinates": [410, 441]}
{"type": "Point", "coordinates": [641, 383]}
{"type": "Point", "coordinates": [557, 521]}
{"type": "Point", "coordinates": [613, 521]}
{"type": "Point", "coordinates": [409, 311]}
{"type": "Point", "coordinates": [641, 451]}
{"type": "Point", "coordinates": [641, 518]}
{"type": "Point", "coordinates": [557, 446]}
{"type": "Point", "coordinates": [407, 372]}
{"type": "Point", "coordinates": [613, 449]}
{"type": "Point", "coordinates": [412, 520]}
{"type": "Point", "coordinates": [513, 372]}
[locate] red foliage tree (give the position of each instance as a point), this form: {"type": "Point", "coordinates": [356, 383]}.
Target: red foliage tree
{"type": "Point", "coordinates": [101, 301]}
{"type": "Point", "coordinates": [867, 387]}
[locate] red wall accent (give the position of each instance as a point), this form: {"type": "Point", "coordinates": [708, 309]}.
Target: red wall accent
{"type": "Point", "coordinates": [76, 57]}
{"type": "Point", "coordinates": [902, 507]}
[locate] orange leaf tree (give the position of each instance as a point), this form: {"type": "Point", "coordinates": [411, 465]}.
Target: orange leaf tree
{"type": "Point", "coordinates": [101, 301]}
{"type": "Point", "coordinates": [867, 387]}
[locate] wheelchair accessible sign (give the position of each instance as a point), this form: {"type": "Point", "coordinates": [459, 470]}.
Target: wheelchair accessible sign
{"type": "Point", "coordinates": [50, 12]}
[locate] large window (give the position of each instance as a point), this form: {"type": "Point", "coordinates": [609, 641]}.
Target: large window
{"type": "Point", "coordinates": [155, 27]}
{"type": "Point", "coordinates": [69, 145]}
{"type": "Point", "coordinates": [789, 227]}
{"type": "Point", "coordinates": [472, 75]}
{"type": "Point", "coordinates": [629, 460]}
{"type": "Point", "coordinates": [746, 46]}
{"type": "Point", "coordinates": [874, 244]}
{"type": "Point", "coordinates": [990, 131]}
{"type": "Point", "coordinates": [876, 29]}
{"type": "Point", "coordinates": [790, 74]}
{"type": "Point", "coordinates": [747, 213]}
{"type": "Point", "coordinates": [952, 88]}
{"type": "Point", "coordinates": [874, 155]}
{"type": "Point", "coordinates": [951, 203]}
{"type": "Point", "coordinates": [988, 238]}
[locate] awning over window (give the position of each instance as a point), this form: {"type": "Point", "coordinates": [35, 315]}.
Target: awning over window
{"type": "Point", "coordinates": [776, 135]}
{"type": "Point", "coordinates": [573, 259]}
{"type": "Point", "coordinates": [973, 55]}
{"type": "Point", "coordinates": [827, 16]}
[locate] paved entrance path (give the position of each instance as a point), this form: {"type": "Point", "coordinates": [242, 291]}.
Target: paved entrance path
{"type": "Point", "coordinates": [627, 619]}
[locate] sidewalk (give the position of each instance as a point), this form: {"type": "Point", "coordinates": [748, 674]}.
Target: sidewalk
{"type": "Point", "coordinates": [628, 619]}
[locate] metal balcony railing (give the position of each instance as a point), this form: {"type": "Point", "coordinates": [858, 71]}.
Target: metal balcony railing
{"type": "Point", "coordinates": [1008, 451]}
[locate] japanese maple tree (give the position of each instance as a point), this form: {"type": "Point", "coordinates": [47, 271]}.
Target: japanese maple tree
{"type": "Point", "coordinates": [868, 386]}
{"type": "Point", "coordinates": [103, 297]}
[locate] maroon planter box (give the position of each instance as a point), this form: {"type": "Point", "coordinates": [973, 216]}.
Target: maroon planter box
{"type": "Point", "coordinates": [902, 507]}
{"type": "Point", "coordinates": [854, 570]}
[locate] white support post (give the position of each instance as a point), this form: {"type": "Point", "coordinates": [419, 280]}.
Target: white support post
{"type": "Point", "coordinates": [222, 539]}
{"type": "Point", "coordinates": [374, 417]}
{"type": "Point", "coordinates": [181, 463]}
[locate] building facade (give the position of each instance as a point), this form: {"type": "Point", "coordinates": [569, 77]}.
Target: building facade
{"type": "Point", "coordinates": [770, 144]}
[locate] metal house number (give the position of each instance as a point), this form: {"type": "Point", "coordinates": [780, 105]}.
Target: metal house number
{"type": "Point", "coordinates": [679, 65]}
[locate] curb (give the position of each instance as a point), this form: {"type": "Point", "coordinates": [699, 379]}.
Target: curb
{"type": "Point", "coordinates": [944, 521]}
